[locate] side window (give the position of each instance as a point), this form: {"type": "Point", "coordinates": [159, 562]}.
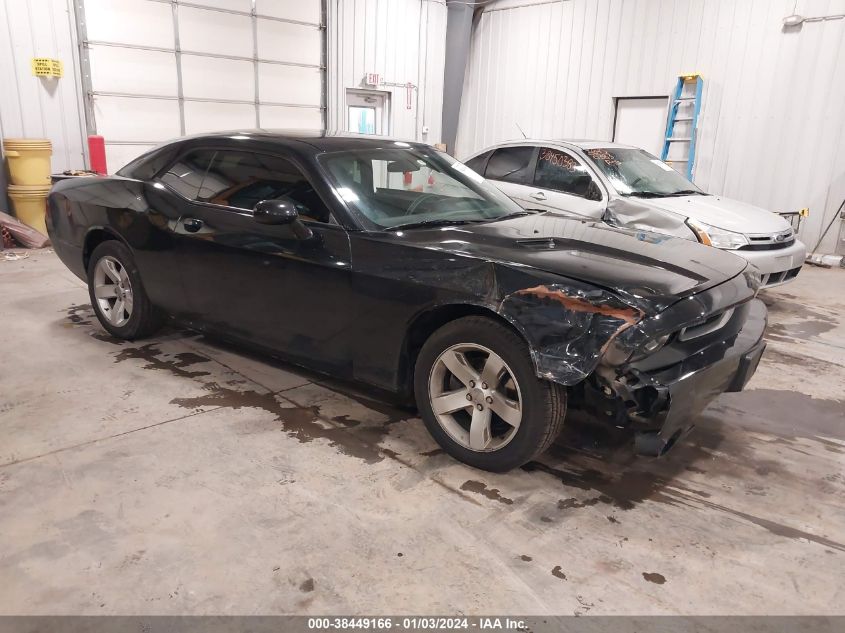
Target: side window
{"type": "Point", "coordinates": [185, 176]}
{"type": "Point", "coordinates": [511, 164]}
{"type": "Point", "coordinates": [243, 179]}
{"type": "Point", "coordinates": [562, 172]}
{"type": "Point", "coordinates": [477, 164]}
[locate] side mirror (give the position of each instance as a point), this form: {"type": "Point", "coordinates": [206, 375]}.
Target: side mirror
{"type": "Point", "coordinates": [593, 191]}
{"type": "Point", "coordinates": [275, 212]}
{"type": "Point", "coordinates": [282, 212]}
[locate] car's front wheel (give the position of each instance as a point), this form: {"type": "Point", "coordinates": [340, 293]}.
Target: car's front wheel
{"type": "Point", "coordinates": [117, 294]}
{"type": "Point", "coordinates": [480, 399]}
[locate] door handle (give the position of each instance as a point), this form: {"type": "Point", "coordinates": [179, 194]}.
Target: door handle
{"type": "Point", "coordinates": [192, 225]}
{"type": "Point", "coordinates": [539, 195]}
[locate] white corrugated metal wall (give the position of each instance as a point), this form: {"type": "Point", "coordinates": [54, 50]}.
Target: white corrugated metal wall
{"type": "Point", "coordinates": [36, 107]}
{"type": "Point", "coordinates": [402, 40]}
{"type": "Point", "coordinates": [772, 127]}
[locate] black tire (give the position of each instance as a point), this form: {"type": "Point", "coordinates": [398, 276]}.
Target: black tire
{"type": "Point", "coordinates": [145, 318]}
{"type": "Point", "coordinates": [543, 402]}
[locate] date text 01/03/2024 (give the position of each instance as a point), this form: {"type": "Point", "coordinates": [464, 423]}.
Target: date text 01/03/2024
{"type": "Point", "coordinates": [416, 623]}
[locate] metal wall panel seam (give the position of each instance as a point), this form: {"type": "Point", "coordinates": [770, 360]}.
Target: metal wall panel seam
{"type": "Point", "coordinates": [256, 94]}
{"type": "Point", "coordinates": [180, 89]}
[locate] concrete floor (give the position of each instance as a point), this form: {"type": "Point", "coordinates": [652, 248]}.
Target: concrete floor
{"type": "Point", "coordinates": [177, 476]}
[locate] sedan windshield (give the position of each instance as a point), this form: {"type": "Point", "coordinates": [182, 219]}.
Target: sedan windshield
{"type": "Point", "coordinates": [634, 172]}
{"type": "Point", "coordinates": [406, 187]}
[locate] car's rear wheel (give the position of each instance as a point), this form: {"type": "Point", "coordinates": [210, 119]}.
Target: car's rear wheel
{"type": "Point", "coordinates": [480, 399]}
{"type": "Point", "coordinates": [117, 294]}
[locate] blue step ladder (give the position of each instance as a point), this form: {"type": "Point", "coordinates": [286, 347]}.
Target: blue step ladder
{"type": "Point", "coordinates": [690, 101]}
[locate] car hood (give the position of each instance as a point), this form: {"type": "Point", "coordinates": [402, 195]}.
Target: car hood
{"type": "Point", "coordinates": [723, 213]}
{"type": "Point", "coordinates": [649, 270]}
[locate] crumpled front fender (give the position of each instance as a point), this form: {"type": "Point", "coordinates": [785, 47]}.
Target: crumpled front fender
{"type": "Point", "coordinates": [568, 327]}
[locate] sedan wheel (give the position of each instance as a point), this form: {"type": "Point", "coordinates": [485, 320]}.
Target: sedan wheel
{"type": "Point", "coordinates": [113, 291]}
{"type": "Point", "coordinates": [475, 397]}
{"type": "Point", "coordinates": [480, 398]}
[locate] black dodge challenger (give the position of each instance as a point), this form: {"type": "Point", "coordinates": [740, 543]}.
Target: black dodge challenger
{"type": "Point", "coordinates": [392, 264]}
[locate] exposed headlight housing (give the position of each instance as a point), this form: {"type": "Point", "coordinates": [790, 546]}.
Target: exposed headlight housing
{"type": "Point", "coordinates": [720, 238]}
{"type": "Point", "coordinates": [650, 347]}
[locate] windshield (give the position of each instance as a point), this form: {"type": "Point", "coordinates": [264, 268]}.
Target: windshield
{"type": "Point", "coordinates": [634, 172]}
{"type": "Point", "coordinates": [408, 186]}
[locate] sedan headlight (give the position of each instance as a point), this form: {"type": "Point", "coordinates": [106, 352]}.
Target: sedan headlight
{"type": "Point", "coordinates": [720, 238]}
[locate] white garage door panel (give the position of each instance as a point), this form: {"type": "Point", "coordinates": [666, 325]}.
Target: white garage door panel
{"type": "Point", "coordinates": [201, 116]}
{"type": "Point", "coordinates": [115, 69]}
{"type": "Point", "coordinates": [280, 117]}
{"type": "Point", "coordinates": [133, 119]}
{"type": "Point", "coordinates": [232, 5]}
{"type": "Point", "coordinates": [138, 22]}
{"type": "Point", "coordinates": [301, 11]}
{"type": "Point", "coordinates": [289, 84]}
{"type": "Point", "coordinates": [204, 74]}
{"type": "Point", "coordinates": [119, 155]}
{"type": "Point", "coordinates": [286, 42]}
{"type": "Point", "coordinates": [215, 32]}
{"type": "Point", "coordinates": [215, 78]}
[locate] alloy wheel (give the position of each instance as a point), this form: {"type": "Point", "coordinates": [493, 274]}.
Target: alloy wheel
{"type": "Point", "coordinates": [113, 291]}
{"type": "Point", "coordinates": [475, 397]}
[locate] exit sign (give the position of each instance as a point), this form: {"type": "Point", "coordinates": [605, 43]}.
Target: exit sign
{"type": "Point", "coordinates": [373, 79]}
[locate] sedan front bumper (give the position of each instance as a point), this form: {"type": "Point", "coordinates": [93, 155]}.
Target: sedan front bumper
{"type": "Point", "coordinates": [661, 405]}
{"type": "Point", "coordinates": [777, 266]}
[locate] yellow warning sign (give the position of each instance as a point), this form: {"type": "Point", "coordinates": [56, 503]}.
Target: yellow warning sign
{"type": "Point", "coordinates": [46, 67]}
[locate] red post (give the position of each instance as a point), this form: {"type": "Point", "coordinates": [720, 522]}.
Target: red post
{"type": "Point", "coordinates": [97, 152]}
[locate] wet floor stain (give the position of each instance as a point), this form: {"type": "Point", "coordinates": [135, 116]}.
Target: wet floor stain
{"type": "Point", "coordinates": [307, 586]}
{"type": "Point", "coordinates": [481, 488]}
{"type": "Point", "coordinates": [304, 423]}
{"type": "Point", "coordinates": [155, 359]}
{"type": "Point", "coordinates": [657, 579]}
{"type": "Point", "coordinates": [558, 573]}
{"type": "Point", "coordinates": [628, 488]}
{"type": "Point", "coordinates": [573, 503]}
{"type": "Point", "coordinates": [526, 558]}
{"type": "Point", "coordinates": [82, 314]}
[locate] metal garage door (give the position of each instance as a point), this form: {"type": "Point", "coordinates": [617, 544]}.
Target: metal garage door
{"type": "Point", "coordinates": [155, 69]}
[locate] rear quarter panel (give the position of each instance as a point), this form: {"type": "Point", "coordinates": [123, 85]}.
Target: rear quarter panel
{"type": "Point", "coordinates": [81, 211]}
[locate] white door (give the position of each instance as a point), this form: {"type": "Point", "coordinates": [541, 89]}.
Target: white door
{"type": "Point", "coordinates": [641, 122]}
{"type": "Point", "coordinates": [367, 112]}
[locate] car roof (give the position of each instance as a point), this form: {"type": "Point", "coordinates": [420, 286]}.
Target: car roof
{"type": "Point", "coordinates": [319, 139]}
{"type": "Point", "coordinates": [578, 143]}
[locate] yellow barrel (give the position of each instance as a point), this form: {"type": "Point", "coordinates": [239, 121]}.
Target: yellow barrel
{"type": "Point", "coordinates": [29, 160]}
{"type": "Point", "coordinates": [30, 203]}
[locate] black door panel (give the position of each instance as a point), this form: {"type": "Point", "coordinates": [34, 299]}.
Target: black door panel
{"type": "Point", "coordinates": [261, 283]}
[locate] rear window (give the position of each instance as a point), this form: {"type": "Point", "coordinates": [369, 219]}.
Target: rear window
{"type": "Point", "coordinates": [148, 165]}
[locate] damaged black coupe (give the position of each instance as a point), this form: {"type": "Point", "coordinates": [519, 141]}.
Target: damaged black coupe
{"type": "Point", "coordinates": [392, 264]}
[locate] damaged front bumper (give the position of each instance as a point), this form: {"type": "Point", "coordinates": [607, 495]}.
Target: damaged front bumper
{"type": "Point", "coordinates": [660, 404]}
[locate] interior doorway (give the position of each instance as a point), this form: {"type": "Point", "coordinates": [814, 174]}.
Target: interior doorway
{"type": "Point", "coordinates": [367, 112]}
{"type": "Point", "coordinates": [641, 121]}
